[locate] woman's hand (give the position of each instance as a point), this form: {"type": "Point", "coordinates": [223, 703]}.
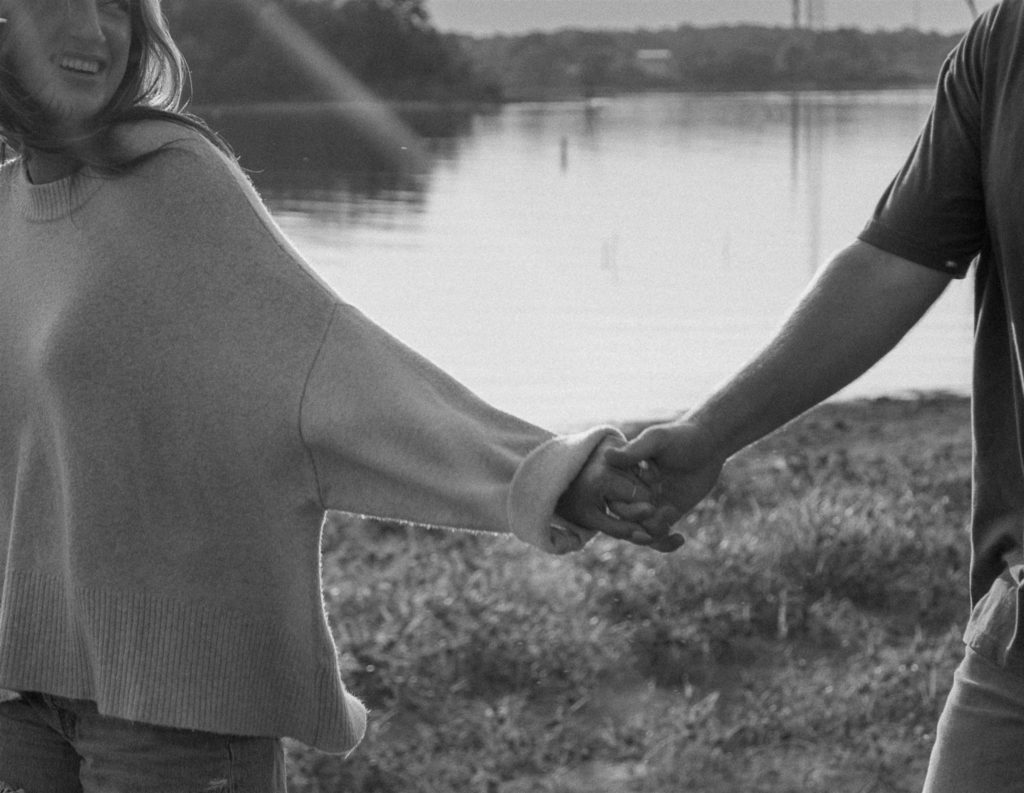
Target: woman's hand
{"type": "Point", "coordinates": [620, 503]}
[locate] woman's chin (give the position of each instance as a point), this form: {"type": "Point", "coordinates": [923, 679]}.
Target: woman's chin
{"type": "Point", "coordinates": [69, 128]}
{"type": "Point", "coordinates": [71, 119]}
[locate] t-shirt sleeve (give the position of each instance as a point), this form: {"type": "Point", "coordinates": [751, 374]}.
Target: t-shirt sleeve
{"type": "Point", "coordinates": [933, 211]}
{"type": "Point", "coordinates": [394, 437]}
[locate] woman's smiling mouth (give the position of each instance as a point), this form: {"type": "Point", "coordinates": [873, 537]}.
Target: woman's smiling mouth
{"type": "Point", "coordinates": [80, 65]}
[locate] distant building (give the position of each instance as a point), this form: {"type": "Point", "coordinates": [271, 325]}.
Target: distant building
{"type": "Point", "coordinates": [656, 63]}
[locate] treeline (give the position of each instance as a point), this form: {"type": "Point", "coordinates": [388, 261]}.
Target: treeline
{"type": "Point", "coordinates": [244, 51]}
{"type": "Point", "coordinates": [575, 62]}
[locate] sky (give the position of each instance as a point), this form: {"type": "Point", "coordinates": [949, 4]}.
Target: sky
{"type": "Point", "coordinates": [486, 17]}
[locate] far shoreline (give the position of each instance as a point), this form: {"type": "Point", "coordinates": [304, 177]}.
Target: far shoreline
{"type": "Point", "coordinates": [923, 411]}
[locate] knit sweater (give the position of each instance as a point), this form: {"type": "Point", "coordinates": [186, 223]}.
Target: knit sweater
{"type": "Point", "coordinates": [181, 400]}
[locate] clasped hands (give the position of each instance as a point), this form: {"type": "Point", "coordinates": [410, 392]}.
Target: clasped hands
{"type": "Point", "coordinates": [639, 491]}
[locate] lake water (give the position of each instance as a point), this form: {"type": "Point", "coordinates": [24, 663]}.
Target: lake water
{"type": "Point", "coordinates": [578, 262]}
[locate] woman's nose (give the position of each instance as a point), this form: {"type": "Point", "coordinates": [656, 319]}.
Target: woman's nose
{"type": "Point", "coordinates": [84, 20]}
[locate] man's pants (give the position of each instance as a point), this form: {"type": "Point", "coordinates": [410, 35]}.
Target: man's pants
{"type": "Point", "coordinates": [979, 744]}
{"type": "Point", "coordinates": [55, 745]}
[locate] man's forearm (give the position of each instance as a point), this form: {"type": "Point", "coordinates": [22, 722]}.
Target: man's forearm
{"type": "Point", "coordinates": [861, 304]}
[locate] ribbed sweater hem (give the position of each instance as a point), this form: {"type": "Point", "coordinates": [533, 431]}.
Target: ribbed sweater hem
{"type": "Point", "coordinates": [171, 662]}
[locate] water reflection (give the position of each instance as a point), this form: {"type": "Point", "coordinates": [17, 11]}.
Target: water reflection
{"type": "Point", "coordinates": [806, 168]}
{"type": "Point", "coordinates": [606, 259]}
{"type": "Point", "coordinates": [321, 157]}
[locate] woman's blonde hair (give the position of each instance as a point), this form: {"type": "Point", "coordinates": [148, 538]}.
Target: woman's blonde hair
{"type": "Point", "coordinates": [154, 87]}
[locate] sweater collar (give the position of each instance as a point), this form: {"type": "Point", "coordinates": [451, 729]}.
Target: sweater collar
{"type": "Point", "coordinates": [53, 200]}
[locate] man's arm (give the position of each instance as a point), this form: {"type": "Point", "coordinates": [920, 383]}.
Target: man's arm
{"type": "Point", "coordinates": [856, 310]}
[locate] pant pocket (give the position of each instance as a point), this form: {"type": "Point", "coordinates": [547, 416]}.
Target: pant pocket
{"type": "Point", "coordinates": [992, 630]}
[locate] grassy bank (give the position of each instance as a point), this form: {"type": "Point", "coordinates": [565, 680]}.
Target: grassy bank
{"type": "Point", "coordinates": [802, 640]}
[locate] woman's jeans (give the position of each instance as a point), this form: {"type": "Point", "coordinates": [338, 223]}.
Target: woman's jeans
{"type": "Point", "coordinates": [56, 745]}
{"type": "Point", "coordinates": [979, 744]}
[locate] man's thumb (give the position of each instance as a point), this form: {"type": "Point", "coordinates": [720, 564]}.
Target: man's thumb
{"type": "Point", "coordinates": [627, 457]}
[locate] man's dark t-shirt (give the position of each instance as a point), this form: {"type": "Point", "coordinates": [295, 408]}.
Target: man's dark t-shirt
{"type": "Point", "coordinates": [960, 198]}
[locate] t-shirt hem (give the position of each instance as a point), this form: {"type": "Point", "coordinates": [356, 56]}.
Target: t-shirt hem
{"type": "Point", "coordinates": [880, 236]}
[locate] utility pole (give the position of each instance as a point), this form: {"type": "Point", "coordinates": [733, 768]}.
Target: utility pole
{"type": "Point", "coordinates": [796, 13]}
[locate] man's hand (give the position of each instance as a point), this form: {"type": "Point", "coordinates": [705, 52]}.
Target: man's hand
{"type": "Point", "coordinates": [620, 503]}
{"type": "Point", "coordinates": [684, 459]}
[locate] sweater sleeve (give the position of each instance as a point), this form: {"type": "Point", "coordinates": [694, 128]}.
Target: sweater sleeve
{"type": "Point", "coordinates": [394, 437]}
{"type": "Point", "coordinates": [388, 433]}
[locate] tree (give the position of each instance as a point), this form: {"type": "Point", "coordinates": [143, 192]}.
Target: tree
{"type": "Point", "coordinates": [389, 45]}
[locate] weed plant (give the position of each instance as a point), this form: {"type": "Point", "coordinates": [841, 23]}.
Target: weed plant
{"type": "Point", "coordinates": [802, 640]}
